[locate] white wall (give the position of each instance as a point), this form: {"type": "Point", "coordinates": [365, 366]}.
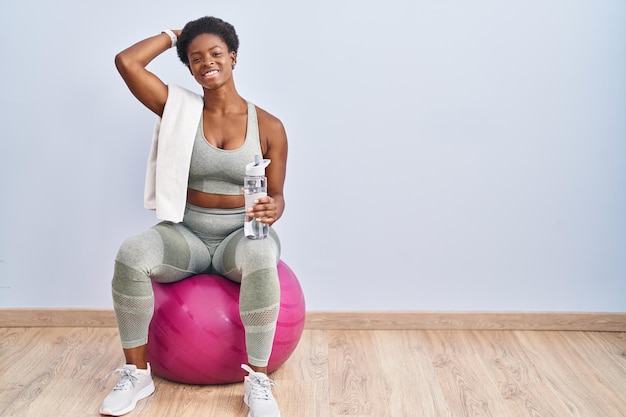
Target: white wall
{"type": "Point", "coordinates": [444, 155]}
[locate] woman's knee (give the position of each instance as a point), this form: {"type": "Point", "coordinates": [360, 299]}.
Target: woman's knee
{"type": "Point", "coordinates": [141, 251]}
{"type": "Point", "coordinates": [134, 260]}
{"type": "Point", "coordinates": [252, 255]}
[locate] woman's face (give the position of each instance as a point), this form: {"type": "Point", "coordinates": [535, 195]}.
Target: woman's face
{"type": "Point", "coordinates": [210, 62]}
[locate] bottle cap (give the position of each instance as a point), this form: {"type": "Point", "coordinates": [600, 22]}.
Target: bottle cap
{"type": "Point", "coordinates": [257, 168]}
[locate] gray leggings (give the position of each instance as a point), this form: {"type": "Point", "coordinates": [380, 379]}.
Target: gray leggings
{"type": "Point", "coordinates": [207, 241]}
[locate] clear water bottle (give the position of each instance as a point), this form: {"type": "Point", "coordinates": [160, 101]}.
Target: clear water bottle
{"type": "Point", "coordinates": [255, 186]}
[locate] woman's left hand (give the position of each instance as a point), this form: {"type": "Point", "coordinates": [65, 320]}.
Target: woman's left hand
{"type": "Point", "coordinates": [264, 210]}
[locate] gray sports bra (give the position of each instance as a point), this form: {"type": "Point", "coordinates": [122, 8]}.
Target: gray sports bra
{"type": "Point", "coordinates": [219, 171]}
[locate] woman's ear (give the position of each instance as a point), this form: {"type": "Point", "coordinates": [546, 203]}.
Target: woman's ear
{"type": "Point", "coordinates": [233, 57]}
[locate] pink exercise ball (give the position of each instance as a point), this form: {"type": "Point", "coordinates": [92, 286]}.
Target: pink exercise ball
{"type": "Point", "coordinates": [196, 335]}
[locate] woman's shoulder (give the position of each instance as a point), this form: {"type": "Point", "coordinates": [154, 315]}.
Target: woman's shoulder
{"type": "Point", "coordinates": [268, 120]}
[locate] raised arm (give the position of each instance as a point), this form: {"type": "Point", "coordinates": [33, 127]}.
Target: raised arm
{"type": "Point", "coordinates": [131, 64]}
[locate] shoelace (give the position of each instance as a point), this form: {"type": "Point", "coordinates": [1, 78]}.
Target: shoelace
{"type": "Point", "coordinates": [261, 388]}
{"type": "Point", "coordinates": [127, 380]}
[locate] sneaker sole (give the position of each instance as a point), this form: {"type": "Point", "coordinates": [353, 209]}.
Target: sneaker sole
{"type": "Point", "coordinates": [147, 391]}
{"type": "Point", "coordinates": [277, 415]}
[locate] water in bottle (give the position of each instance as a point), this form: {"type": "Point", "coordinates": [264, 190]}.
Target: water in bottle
{"type": "Point", "coordinates": [254, 187]}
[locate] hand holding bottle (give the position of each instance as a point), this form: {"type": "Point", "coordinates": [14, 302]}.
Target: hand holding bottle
{"type": "Point", "coordinates": [263, 210]}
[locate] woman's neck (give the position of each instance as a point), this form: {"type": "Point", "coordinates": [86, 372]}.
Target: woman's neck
{"type": "Point", "coordinates": [223, 102]}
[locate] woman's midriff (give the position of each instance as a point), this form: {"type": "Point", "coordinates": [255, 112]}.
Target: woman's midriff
{"type": "Point", "coordinates": [207, 200]}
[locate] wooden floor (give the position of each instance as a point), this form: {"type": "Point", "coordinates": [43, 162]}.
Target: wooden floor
{"type": "Point", "coordinates": [47, 371]}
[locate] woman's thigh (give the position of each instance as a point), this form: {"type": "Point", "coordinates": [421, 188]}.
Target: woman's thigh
{"type": "Point", "coordinates": [167, 252]}
{"type": "Point", "coordinates": [237, 254]}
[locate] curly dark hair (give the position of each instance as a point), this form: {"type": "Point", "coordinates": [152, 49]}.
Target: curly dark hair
{"type": "Point", "coordinates": [207, 24]}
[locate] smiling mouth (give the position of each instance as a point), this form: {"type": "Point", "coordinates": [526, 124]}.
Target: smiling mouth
{"type": "Point", "coordinates": [210, 73]}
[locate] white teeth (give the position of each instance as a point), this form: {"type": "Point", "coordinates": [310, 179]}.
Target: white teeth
{"type": "Point", "coordinates": [210, 72]}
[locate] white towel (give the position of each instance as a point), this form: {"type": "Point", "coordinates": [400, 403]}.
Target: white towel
{"type": "Point", "coordinates": [167, 174]}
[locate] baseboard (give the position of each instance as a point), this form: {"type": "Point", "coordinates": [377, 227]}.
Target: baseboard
{"type": "Point", "coordinates": [360, 320]}
{"type": "Point", "coordinates": [57, 317]}
{"type": "Point", "coordinates": [472, 320]}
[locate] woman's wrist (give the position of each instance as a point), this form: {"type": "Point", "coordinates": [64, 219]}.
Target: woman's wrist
{"type": "Point", "coordinates": [172, 35]}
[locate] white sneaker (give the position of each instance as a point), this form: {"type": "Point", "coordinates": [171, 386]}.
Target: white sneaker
{"type": "Point", "coordinates": [134, 385]}
{"type": "Point", "coordinates": [258, 394]}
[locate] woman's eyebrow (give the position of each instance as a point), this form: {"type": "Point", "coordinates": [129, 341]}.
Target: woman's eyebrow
{"type": "Point", "coordinates": [210, 49]}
